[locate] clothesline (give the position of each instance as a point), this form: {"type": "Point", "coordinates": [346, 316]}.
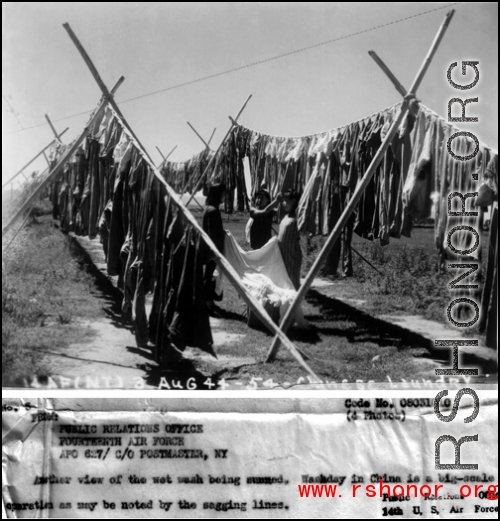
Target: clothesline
{"type": "Point", "coordinates": [324, 132]}
{"type": "Point", "coordinates": [362, 120]}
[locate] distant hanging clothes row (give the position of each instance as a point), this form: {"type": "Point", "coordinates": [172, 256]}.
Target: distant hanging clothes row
{"type": "Point", "coordinates": [109, 189]}
{"type": "Point", "coordinates": [327, 167]}
{"type": "Point", "coordinates": [184, 176]}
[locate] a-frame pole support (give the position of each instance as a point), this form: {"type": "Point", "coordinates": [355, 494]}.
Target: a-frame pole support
{"type": "Point", "coordinates": [165, 159]}
{"type": "Point", "coordinates": [207, 169]}
{"type": "Point", "coordinates": [226, 268]}
{"type": "Point", "coordinates": [19, 172]}
{"type": "Point", "coordinates": [52, 173]}
{"type": "Point", "coordinates": [356, 196]}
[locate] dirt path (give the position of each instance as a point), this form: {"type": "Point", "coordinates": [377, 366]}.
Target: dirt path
{"type": "Point", "coordinates": [111, 360]}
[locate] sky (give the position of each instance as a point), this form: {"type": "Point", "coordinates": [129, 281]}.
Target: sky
{"type": "Point", "coordinates": [159, 47]}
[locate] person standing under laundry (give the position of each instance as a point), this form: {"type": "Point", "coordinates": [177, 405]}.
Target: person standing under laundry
{"type": "Point", "coordinates": [261, 214]}
{"type": "Point", "coordinates": [289, 243]}
{"type": "Point", "coordinates": [212, 225]}
{"type": "Point", "coordinates": [289, 237]}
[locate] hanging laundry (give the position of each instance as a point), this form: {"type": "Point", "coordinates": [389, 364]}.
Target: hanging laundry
{"type": "Point", "coordinates": [108, 188]}
{"type": "Point", "coordinates": [212, 226]}
{"type": "Point", "coordinates": [419, 182]}
{"type": "Point", "coordinates": [488, 193]}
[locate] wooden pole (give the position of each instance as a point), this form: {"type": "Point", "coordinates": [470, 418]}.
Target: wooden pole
{"type": "Point", "coordinates": [117, 85]}
{"type": "Point", "coordinates": [31, 161]}
{"type": "Point", "coordinates": [389, 74]}
{"type": "Point", "coordinates": [196, 132]}
{"type": "Point", "coordinates": [353, 202]}
{"type": "Point", "coordinates": [54, 131]}
{"type": "Point", "coordinates": [228, 270]}
{"type": "Point", "coordinates": [197, 186]}
{"type": "Point", "coordinates": [183, 191]}
{"type": "Point", "coordinates": [100, 83]}
{"type": "Point", "coordinates": [161, 154]}
{"type": "Point", "coordinates": [197, 202]}
{"type": "Point", "coordinates": [165, 159]}
{"type": "Point", "coordinates": [44, 201]}
{"type": "Point", "coordinates": [432, 51]}
{"type": "Point", "coordinates": [212, 136]}
{"type": "Point", "coordinates": [207, 146]}
{"type": "Point", "coordinates": [171, 152]}
{"type": "Point", "coordinates": [184, 188]}
{"type": "Point", "coordinates": [66, 157]}
{"type": "Point", "coordinates": [20, 228]}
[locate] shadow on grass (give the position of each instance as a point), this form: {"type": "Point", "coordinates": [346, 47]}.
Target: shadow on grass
{"type": "Point", "coordinates": [144, 352]}
{"type": "Point", "coordinates": [231, 315]}
{"type": "Point", "coordinates": [307, 336]}
{"type": "Point", "coordinates": [366, 328]}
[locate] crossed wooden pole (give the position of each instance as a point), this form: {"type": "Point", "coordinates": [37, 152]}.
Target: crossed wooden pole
{"type": "Point", "coordinates": [212, 160]}
{"type": "Point", "coordinates": [57, 138]}
{"type": "Point", "coordinates": [225, 266]}
{"type": "Point", "coordinates": [207, 144]}
{"type": "Point", "coordinates": [51, 175]}
{"type": "Point", "coordinates": [207, 147]}
{"type": "Point", "coordinates": [356, 196]}
{"type": "Point", "coordinates": [165, 158]}
{"type": "Point", "coordinates": [21, 171]}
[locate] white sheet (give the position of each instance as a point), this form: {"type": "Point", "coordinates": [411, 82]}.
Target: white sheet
{"type": "Point", "coordinates": [264, 273]}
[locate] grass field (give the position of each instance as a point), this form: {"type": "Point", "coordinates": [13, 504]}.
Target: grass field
{"type": "Point", "coordinates": [410, 284]}
{"type": "Point", "coordinates": [45, 288]}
